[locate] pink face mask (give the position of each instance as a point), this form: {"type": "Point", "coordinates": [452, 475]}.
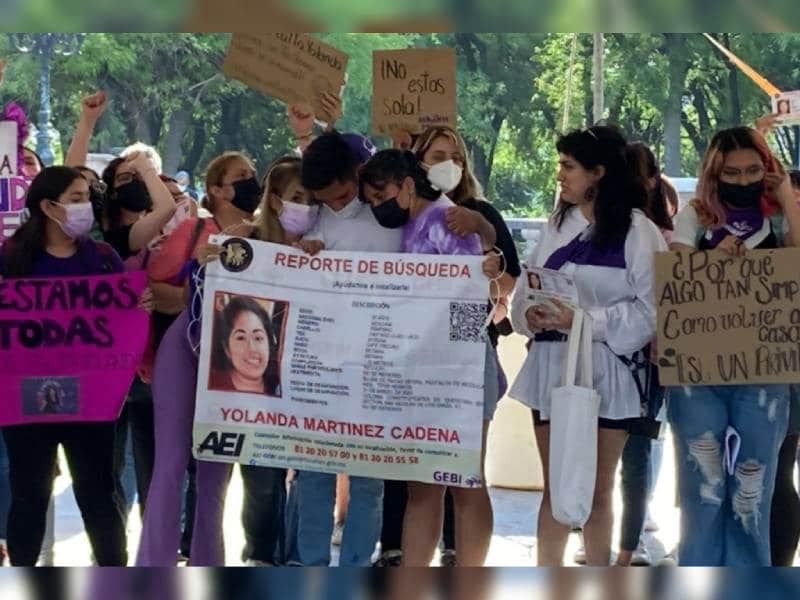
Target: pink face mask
{"type": "Point", "coordinates": [298, 219]}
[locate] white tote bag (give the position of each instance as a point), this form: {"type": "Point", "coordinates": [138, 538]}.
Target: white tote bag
{"type": "Point", "coordinates": [574, 410]}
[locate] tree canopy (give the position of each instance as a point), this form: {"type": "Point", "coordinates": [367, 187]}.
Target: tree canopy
{"type": "Point", "coordinates": [672, 91]}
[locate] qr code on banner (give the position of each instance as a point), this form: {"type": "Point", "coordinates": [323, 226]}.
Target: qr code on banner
{"type": "Point", "coordinates": [466, 321]}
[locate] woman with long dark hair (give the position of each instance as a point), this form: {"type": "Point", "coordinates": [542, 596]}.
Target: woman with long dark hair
{"type": "Point", "coordinates": [53, 243]}
{"type": "Point", "coordinates": [600, 235]}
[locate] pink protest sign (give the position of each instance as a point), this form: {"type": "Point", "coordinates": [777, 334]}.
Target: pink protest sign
{"type": "Point", "coordinates": [70, 347]}
{"type": "Point", "coordinates": [12, 202]}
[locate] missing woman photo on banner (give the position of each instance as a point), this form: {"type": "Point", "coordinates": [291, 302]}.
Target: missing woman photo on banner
{"type": "Point", "coordinates": [371, 365]}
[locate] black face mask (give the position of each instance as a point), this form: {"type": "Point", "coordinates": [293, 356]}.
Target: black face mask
{"type": "Point", "coordinates": [134, 196]}
{"type": "Point", "coordinates": [98, 200]}
{"type": "Point", "coordinates": [389, 214]}
{"type": "Point", "coordinates": [741, 196]}
{"type": "Point", "coordinates": [246, 195]}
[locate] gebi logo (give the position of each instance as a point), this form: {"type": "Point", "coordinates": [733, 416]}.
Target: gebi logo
{"type": "Point", "coordinates": [223, 444]}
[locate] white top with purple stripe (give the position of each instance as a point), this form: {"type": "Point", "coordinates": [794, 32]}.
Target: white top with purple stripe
{"type": "Point", "coordinates": [617, 288]}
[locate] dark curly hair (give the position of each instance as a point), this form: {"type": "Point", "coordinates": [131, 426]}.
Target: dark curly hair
{"type": "Point", "coordinates": [393, 166]}
{"type": "Point", "coordinates": [619, 191]}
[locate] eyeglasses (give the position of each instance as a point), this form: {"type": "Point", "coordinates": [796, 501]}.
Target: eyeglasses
{"type": "Point", "coordinates": [753, 171]}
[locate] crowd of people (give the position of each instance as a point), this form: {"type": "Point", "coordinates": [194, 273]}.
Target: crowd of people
{"type": "Point", "coordinates": [336, 192]}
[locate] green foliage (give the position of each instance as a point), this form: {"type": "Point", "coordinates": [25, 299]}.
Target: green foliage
{"type": "Point", "coordinates": [167, 90]}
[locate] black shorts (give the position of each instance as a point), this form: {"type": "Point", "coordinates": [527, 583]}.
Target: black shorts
{"type": "Point", "coordinates": [620, 424]}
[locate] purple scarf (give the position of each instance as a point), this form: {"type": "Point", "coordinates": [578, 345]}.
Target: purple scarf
{"type": "Point", "coordinates": [581, 251]}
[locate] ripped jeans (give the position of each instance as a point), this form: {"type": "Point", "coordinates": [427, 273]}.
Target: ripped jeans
{"type": "Point", "coordinates": [725, 519]}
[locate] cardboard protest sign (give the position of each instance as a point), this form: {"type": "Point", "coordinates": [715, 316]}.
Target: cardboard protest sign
{"type": "Point", "coordinates": [70, 347]}
{"type": "Point", "coordinates": [413, 89]}
{"type": "Point", "coordinates": [787, 106]}
{"type": "Point", "coordinates": [292, 67]}
{"type": "Point", "coordinates": [728, 321]}
{"type": "Point", "coordinates": [13, 186]}
{"type": "Point", "coordinates": [365, 364]}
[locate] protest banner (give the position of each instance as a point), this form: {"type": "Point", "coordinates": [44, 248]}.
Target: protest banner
{"type": "Point", "coordinates": [728, 321]}
{"type": "Point", "coordinates": [292, 67]}
{"type": "Point", "coordinates": [787, 106]}
{"type": "Point", "coordinates": [364, 364]}
{"type": "Point", "coordinates": [70, 347]}
{"type": "Point", "coordinates": [413, 89]}
{"type": "Point", "coordinates": [13, 186]}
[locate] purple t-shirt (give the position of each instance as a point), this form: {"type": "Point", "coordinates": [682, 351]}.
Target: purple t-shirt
{"type": "Point", "coordinates": [92, 258]}
{"type": "Point", "coordinates": [427, 233]}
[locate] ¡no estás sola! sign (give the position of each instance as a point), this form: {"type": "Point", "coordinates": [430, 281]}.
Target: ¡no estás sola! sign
{"type": "Point", "coordinates": [292, 67]}
{"type": "Point", "coordinates": [728, 321]}
{"type": "Point", "coordinates": [413, 89]}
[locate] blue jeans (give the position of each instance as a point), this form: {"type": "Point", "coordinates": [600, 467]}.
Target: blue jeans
{"type": "Point", "coordinates": [725, 518]}
{"type": "Point", "coordinates": [315, 494]}
{"type": "Point", "coordinates": [5, 490]}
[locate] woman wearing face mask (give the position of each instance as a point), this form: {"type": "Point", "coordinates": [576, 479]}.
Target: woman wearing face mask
{"type": "Point", "coordinates": [442, 152]}
{"type": "Point", "coordinates": [401, 196]}
{"type": "Point", "coordinates": [233, 196]}
{"type": "Point", "coordinates": [137, 206]}
{"type": "Point", "coordinates": [725, 519]}
{"type": "Point", "coordinates": [600, 235]}
{"type": "Point", "coordinates": [53, 243]}
{"type": "Point", "coordinates": [286, 214]}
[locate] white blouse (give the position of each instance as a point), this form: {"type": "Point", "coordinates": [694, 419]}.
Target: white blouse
{"type": "Point", "coordinates": [622, 305]}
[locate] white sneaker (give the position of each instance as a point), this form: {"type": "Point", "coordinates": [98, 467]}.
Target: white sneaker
{"type": "Point", "coordinates": [251, 562]}
{"type": "Point", "coordinates": [580, 555]}
{"type": "Point", "coordinates": [641, 556]}
{"type": "Point", "coordinates": [651, 526]}
{"type": "Point", "coordinates": [338, 532]}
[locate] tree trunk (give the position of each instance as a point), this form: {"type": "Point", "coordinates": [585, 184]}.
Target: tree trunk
{"type": "Point", "coordinates": [230, 122]}
{"type": "Point", "coordinates": [587, 54]}
{"type": "Point", "coordinates": [196, 151]}
{"type": "Point", "coordinates": [678, 66]}
{"type": "Point", "coordinates": [178, 125]}
{"type": "Point", "coordinates": [733, 86]}
{"type": "Point", "coordinates": [598, 97]}
{"type": "Point", "coordinates": [143, 131]}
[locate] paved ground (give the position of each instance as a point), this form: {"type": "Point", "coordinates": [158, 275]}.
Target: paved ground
{"type": "Point", "coordinates": [513, 542]}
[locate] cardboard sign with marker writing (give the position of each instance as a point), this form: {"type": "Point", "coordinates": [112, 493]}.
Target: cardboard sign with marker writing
{"type": "Point", "coordinates": [728, 321]}
{"type": "Point", "coordinates": [413, 89]}
{"type": "Point", "coordinates": [292, 67]}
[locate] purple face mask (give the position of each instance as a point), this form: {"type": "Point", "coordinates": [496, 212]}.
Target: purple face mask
{"type": "Point", "coordinates": [298, 219]}
{"type": "Point", "coordinates": [79, 219]}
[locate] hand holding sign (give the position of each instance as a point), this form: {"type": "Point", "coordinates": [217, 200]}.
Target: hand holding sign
{"type": "Point", "coordinates": [766, 123]}
{"type": "Point", "coordinates": [301, 120]}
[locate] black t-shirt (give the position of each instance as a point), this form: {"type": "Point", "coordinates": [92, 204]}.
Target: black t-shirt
{"type": "Point", "coordinates": [505, 243]}
{"type": "Point", "coordinates": [120, 239]}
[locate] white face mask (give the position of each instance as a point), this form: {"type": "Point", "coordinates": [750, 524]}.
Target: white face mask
{"type": "Point", "coordinates": [445, 176]}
